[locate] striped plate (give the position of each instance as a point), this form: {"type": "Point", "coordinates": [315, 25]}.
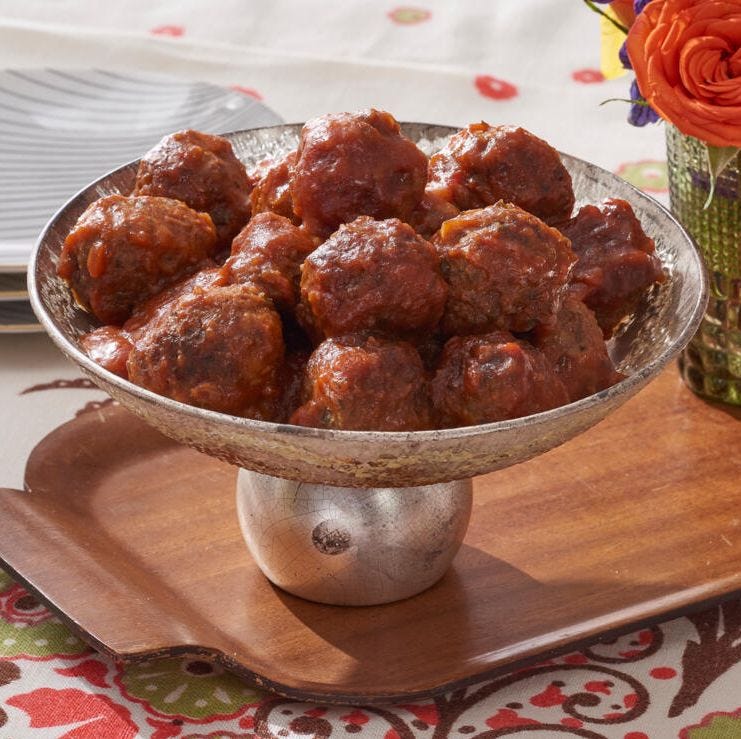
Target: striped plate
{"type": "Point", "coordinates": [13, 287]}
{"type": "Point", "coordinates": [17, 317]}
{"type": "Point", "coordinates": [60, 129]}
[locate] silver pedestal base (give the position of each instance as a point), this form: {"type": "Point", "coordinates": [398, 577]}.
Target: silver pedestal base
{"type": "Point", "coordinates": [348, 546]}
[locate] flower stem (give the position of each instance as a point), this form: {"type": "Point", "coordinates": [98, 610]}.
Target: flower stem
{"type": "Point", "coordinates": [625, 100]}
{"type": "Point", "coordinates": [601, 12]}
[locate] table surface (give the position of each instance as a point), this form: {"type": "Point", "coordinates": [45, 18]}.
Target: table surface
{"type": "Point", "coordinates": [534, 63]}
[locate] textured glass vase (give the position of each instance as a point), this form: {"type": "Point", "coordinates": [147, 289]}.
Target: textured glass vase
{"type": "Point", "coordinates": [711, 363]}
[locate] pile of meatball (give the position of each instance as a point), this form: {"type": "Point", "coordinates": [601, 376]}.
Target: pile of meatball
{"type": "Point", "coordinates": [355, 283]}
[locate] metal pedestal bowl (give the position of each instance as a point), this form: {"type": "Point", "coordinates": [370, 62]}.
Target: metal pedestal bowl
{"type": "Point", "coordinates": [357, 518]}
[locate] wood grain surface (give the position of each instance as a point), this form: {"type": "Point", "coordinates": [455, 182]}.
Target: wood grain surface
{"type": "Point", "coordinates": [134, 540]}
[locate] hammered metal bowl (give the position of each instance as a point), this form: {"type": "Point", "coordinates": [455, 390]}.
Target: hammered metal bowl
{"type": "Point", "coordinates": [661, 327]}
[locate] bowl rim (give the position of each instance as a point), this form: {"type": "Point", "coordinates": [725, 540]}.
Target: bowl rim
{"type": "Point", "coordinates": [625, 387]}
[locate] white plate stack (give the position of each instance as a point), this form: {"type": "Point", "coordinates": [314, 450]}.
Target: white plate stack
{"type": "Point", "coordinates": [62, 128]}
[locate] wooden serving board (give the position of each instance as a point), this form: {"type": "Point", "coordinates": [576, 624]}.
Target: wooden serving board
{"type": "Point", "coordinates": [134, 541]}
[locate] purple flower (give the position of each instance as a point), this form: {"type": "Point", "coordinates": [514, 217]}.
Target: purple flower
{"type": "Point", "coordinates": [623, 55]}
{"type": "Point", "coordinates": [639, 5]}
{"type": "Point", "coordinates": [641, 113]}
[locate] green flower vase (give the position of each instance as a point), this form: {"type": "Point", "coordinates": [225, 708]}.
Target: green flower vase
{"type": "Point", "coordinates": [711, 363]}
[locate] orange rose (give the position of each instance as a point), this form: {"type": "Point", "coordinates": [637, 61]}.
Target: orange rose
{"type": "Point", "coordinates": [687, 58]}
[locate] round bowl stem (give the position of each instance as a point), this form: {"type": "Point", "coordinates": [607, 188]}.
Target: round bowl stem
{"type": "Point", "coordinates": [351, 546]}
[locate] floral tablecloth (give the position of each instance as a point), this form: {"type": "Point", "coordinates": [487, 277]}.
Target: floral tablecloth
{"type": "Point", "coordinates": [531, 62]}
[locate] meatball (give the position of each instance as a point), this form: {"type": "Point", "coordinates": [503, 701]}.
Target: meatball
{"type": "Point", "coordinates": [201, 170]}
{"type": "Point", "coordinates": [482, 164]}
{"type": "Point", "coordinates": [365, 384]}
{"type": "Point", "coordinates": [505, 269]}
{"type": "Point", "coordinates": [219, 349]}
{"type": "Point", "coordinates": [159, 304]}
{"type": "Point", "coordinates": [430, 214]}
{"type": "Point", "coordinates": [575, 348]}
{"type": "Point", "coordinates": [108, 346]}
{"type": "Point", "coordinates": [616, 261]}
{"type": "Point", "coordinates": [493, 377]}
{"type": "Point", "coordinates": [372, 275]}
{"type": "Point", "coordinates": [268, 253]}
{"type": "Point", "coordinates": [124, 250]}
{"type": "Point", "coordinates": [272, 192]}
{"type": "Point", "coordinates": [352, 164]}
